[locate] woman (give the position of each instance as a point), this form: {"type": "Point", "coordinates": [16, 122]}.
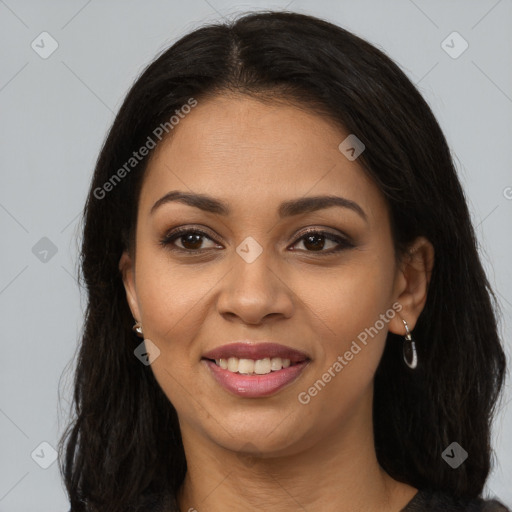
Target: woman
{"type": "Point", "coordinates": [286, 306]}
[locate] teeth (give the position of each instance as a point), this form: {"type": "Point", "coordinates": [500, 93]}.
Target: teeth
{"type": "Point", "coordinates": [253, 367]}
{"type": "Point", "coordinates": [261, 366]}
{"type": "Point", "coordinates": [245, 366]}
{"type": "Point", "coordinates": [232, 364]}
{"type": "Point", "coordinates": [276, 363]}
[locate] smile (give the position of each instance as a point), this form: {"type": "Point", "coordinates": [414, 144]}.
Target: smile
{"type": "Point", "coordinates": [253, 367]}
{"type": "Point", "coordinates": [254, 385]}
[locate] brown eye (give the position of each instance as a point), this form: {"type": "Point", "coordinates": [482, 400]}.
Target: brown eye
{"type": "Point", "coordinates": [315, 241]}
{"type": "Point", "coordinates": [191, 240]}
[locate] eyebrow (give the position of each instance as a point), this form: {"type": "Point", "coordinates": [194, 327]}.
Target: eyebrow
{"type": "Point", "coordinates": [286, 209]}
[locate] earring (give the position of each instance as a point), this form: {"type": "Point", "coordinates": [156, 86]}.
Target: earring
{"type": "Point", "coordinates": [137, 328]}
{"type": "Point", "coordinates": [409, 348]}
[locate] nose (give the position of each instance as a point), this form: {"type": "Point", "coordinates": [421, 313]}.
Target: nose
{"type": "Point", "coordinates": [255, 291]}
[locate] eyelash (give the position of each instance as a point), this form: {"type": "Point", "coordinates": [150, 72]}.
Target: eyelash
{"type": "Point", "coordinates": [167, 241]}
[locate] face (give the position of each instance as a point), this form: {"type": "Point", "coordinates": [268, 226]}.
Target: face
{"type": "Point", "coordinates": [249, 270]}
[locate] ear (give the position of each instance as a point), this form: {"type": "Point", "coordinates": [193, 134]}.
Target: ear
{"type": "Point", "coordinates": [411, 284]}
{"type": "Point", "coordinates": [127, 269]}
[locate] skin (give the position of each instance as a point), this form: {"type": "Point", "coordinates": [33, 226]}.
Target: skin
{"type": "Point", "coordinates": [252, 156]}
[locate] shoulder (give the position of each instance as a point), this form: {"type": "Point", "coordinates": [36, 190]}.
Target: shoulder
{"type": "Point", "coordinates": [442, 502]}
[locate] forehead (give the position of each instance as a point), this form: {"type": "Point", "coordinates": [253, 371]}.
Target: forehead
{"type": "Point", "coordinates": [247, 152]}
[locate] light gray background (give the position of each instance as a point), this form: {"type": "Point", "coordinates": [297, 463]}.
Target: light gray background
{"type": "Point", "coordinates": [54, 115]}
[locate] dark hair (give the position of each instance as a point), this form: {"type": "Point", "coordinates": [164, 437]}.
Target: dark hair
{"type": "Point", "coordinates": [125, 442]}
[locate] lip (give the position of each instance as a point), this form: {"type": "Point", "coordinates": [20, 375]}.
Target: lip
{"type": "Point", "coordinates": [248, 350]}
{"type": "Point", "coordinates": [254, 386]}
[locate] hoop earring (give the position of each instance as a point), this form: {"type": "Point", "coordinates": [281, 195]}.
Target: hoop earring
{"type": "Point", "coordinates": [137, 328]}
{"type": "Point", "coordinates": [409, 349]}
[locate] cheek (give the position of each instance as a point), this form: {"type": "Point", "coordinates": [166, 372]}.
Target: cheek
{"type": "Point", "coordinates": [352, 305]}
{"type": "Point", "coordinates": [171, 299]}
{"type": "Point", "coordinates": [353, 297]}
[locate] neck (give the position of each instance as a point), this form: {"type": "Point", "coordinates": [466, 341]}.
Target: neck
{"type": "Point", "coordinates": [337, 471]}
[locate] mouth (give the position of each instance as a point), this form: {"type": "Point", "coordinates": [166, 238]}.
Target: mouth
{"type": "Point", "coordinates": [255, 358]}
{"type": "Point", "coordinates": [255, 370]}
{"type": "Point", "coordinates": [254, 366]}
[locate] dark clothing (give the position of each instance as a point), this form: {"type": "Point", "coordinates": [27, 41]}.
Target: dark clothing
{"type": "Point", "coordinates": [425, 501]}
